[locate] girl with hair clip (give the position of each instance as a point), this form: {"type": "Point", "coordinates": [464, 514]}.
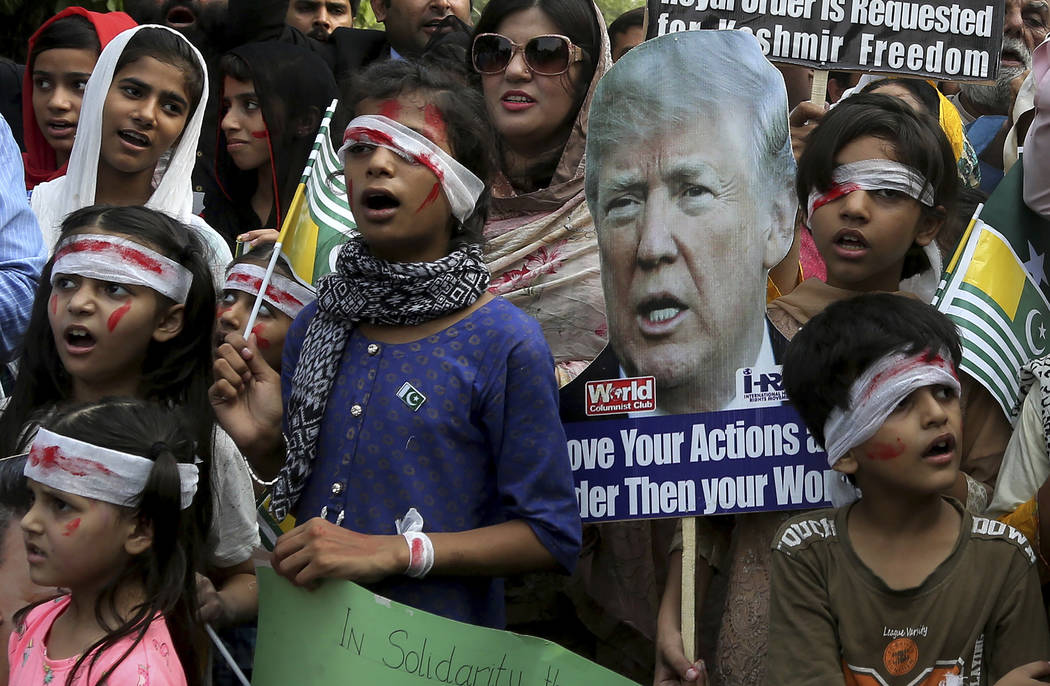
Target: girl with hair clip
{"type": "Point", "coordinates": [111, 482]}
{"type": "Point", "coordinates": [409, 392]}
{"type": "Point", "coordinates": [125, 307]}
{"type": "Point", "coordinates": [273, 97]}
{"type": "Point", "coordinates": [62, 55]}
{"type": "Point", "coordinates": [137, 137]}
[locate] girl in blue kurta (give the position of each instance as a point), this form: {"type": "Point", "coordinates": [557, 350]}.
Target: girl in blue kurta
{"type": "Point", "coordinates": [406, 386]}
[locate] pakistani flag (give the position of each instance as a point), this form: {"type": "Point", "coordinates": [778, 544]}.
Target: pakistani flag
{"type": "Point", "coordinates": [319, 219]}
{"type": "Point", "coordinates": [995, 289]}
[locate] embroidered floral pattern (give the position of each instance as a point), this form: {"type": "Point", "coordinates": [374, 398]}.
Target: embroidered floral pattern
{"type": "Point", "coordinates": [546, 259]}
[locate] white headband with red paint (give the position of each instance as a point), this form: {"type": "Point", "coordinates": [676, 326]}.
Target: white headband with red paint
{"type": "Point", "coordinates": [461, 186]}
{"type": "Point", "coordinates": [875, 394]}
{"type": "Point", "coordinates": [286, 295]}
{"type": "Point", "coordinates": [88, 470]}
{"type": "Point", "coordinates": [872, 175]}
{"type": "Point", "coordinates": [119, 260]}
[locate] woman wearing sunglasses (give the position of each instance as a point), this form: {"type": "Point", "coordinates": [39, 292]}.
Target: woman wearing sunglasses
{"type": "Point", "coordinates": [537, 62]}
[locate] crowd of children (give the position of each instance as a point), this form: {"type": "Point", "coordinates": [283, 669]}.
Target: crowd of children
{"type": "Point", "coordinates": [152, 409]}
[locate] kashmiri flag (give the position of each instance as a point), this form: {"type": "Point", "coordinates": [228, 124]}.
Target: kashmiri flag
{"type": "Point", "coordinates": [318, 221]}
{"type": "Point", "coordinates": [996, 291]}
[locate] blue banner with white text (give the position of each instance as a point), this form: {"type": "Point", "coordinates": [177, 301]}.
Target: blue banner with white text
{"type": "Point", "coordinates": [744, 460]}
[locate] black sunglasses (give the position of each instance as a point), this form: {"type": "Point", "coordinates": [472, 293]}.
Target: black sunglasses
{"type": "Point", "coordinates": [548, 55]}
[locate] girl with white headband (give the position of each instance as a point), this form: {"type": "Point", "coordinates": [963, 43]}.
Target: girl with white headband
{"type": "Point", "coordinates": [285, 298]}
{"type": "Point", "coordinates": [111, 483]}
{"type": "Point", "coordinates": [902, 584]}
{"type": "Point", "coordinates": [126, 307]}
{"type": "Point", "coordinates": [424, 452]}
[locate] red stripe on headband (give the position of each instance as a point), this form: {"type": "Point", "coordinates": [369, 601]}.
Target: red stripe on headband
{"type": "Point", "coordinates": [833, 193]}
{"type": "Point", "coordinates": [927, 359]}
{"type": "Point", "coordinates": [380, 138]}
{"type": "Point", "coordinates": [51, 457]}
{"type": "Point", "coordinates": [125, 253]}
{"type": "Point", "coordinates": [272, 294]}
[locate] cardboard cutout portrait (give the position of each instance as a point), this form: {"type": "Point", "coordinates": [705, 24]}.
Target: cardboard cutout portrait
{"type": "Point", "coordinates": [690, 183]}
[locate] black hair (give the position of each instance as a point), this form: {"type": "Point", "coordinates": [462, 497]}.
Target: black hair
{"type": "Point", "coordinates": [470, 134]}
{"type": "Point", "coordinates": [574, 18]}
{"type": "Point", "coordinates": [917, 140]}
{"type": "Point", "coordinates": [261, 254]}
{"type": "Point", "coordinates": [234, 66]}
{"type": "Point", "coordinates": [628, 20]}
{"type": "Point", "coordinates": [176, 372]}
{"type": "Point", "coordinates": [74, 32]}
{"type": "Point", "coordinates": [166, 571]}
{"type": "Point", "coordinates": [955, 225]}
{"type": "Point", "coordinates": [14, 496]}
{"type": "Point", "coordinates": [923, 92]}
{"type": "Point", "coordinates": [293, 87]}
{"type": "Point", "coordinates": [171, 48]}
{"type": "Point", "coordinates": [835, 347]}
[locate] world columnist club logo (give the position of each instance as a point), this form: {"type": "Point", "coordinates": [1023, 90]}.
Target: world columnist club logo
{"type": "Point", "coordinates": [619, 396]}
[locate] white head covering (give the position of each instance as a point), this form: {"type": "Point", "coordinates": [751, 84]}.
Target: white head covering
{"type": "Point", "coordinates": [54, 200]}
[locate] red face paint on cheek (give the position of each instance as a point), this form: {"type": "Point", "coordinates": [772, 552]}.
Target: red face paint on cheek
{"type": "Point", "coordinates": [53, 303]}
{"type": "Point", "coordinates": [259, 340]}
{"type": "Point", "coordinates": [434, 192]}
{"type": "Point", "coordinates": [391, 109]}
{"type": "Point", "coordinates": [117, 315]}
{"type": "Point", "coordinates": [435, 129]}
{"type": "Point", "coordinates": [221, 310]}
{"type": "Point", "coordinates": [261, 134]}
{"type": "Point", "coordinates": [886, 451]}
{"type": "Point", "coordinates": [72, 526]}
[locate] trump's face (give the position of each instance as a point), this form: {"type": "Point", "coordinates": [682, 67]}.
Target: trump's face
{"type": "Point", "coordinates": [684, 233]}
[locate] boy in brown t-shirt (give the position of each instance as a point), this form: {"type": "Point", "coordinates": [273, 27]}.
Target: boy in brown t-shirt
{"type": "Point", "coordinates": [900, 586]}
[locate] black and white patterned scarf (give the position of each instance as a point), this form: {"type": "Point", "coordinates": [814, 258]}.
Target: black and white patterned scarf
{"type": "Point", "coordinates": [363, 289]}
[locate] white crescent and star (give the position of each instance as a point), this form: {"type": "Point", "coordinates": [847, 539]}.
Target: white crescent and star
{"type": "Point", "coordinates": [1028, 333]}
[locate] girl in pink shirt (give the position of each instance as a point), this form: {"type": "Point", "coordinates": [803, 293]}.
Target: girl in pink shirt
{"type": "Point", "coordinates": [111, 482]}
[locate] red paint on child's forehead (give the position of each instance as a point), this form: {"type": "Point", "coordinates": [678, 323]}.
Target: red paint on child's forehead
{"type": "Point", "coordinates": [436, 129]}
{"type": "Point", "coordinates": [391, 109]}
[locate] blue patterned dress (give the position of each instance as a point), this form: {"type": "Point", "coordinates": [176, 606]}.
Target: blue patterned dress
{"type": "Point", "coordinates": [462, 425]}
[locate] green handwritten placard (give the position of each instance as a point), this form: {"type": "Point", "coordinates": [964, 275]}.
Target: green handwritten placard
{"type": "Point", "coordinates": [344, 634]}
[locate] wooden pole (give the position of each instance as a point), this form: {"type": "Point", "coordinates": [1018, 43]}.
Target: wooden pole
{"type": "Point", "coordinates": [689, 587]}
{"type": "Point", "coordinates": [819, 92]}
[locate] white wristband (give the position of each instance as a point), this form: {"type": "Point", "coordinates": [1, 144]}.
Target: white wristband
{"type": "Point", "coordinates": [421, 554]}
